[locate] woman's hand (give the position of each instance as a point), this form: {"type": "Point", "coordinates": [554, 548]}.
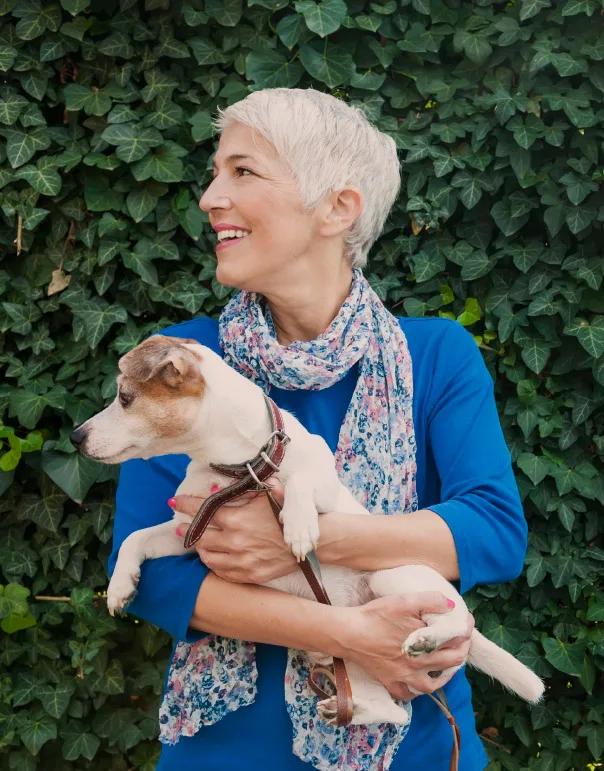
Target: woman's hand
{"type": "Point", "coordinates": [372, 637]}
{"type": "Point", "coordinates": [244, 543]}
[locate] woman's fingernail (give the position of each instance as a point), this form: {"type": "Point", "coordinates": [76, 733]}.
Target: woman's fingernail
{"type": "Point", "coordinates": [179, 531]}
{"type": "Point", "coordinates": [215, 488]}
{"type": "Point", "coordinates": [450, 603]}
{"type": "Point", "coordinates": [171, 502]}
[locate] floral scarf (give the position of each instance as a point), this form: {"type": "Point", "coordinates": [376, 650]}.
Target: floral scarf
{"type": "Point", "coordinates": [375, 459]}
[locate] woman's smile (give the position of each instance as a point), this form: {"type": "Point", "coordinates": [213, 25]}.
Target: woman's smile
{"type": "Point", "coordinates": [220, 245]}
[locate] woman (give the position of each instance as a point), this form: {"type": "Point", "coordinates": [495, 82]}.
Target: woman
{"type": "Point", "coordinates": [406, 404]}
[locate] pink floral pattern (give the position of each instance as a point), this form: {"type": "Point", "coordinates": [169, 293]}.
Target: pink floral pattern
{"type": "Point", "coordinates": [375, 459]}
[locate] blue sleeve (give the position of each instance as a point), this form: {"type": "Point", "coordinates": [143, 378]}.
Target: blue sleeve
{"type": "Point", "coordinates": [168, 586]}
{"type": "Point", "coordinates": [479, 497]}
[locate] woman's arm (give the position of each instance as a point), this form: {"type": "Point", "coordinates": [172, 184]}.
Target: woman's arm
{"type": "Point", "coordinates": [181, 596]}
{"type": "Point", "coordinates": [383, 541]}
{"type": "Point", "coordinates": [244, 542]}
{"type": "Point", "coordinates": [477, 533]}
{"type": "Point", "coordinates": [370, 634]}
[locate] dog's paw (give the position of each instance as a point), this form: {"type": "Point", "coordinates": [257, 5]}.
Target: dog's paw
{"type": "Point", "coordinates": [122, 589]}
{"type": "Point", "coordinates": [364, 712]}
{"type": "Point", "coordinates": [419, 642]}
{"type": "Point", "coordinates": [301, 532]}
{"type": "Point", "coordinates": [301, 540]}
{"type": "Point", "coordinates": [327, 709]}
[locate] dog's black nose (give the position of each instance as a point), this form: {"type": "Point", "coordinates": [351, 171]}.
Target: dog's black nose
{"type": "Point", "coordinates": [77, 437]}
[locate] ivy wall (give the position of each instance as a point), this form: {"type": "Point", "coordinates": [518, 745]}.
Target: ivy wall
{"type": "Point", "coordinates": [105, 138]}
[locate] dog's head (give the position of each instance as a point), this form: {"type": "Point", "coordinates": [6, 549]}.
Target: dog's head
{"type": "Point", "coordinates": [160, 393]}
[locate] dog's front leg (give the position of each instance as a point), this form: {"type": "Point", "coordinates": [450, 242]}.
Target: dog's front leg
{"type": "Point", "coordinates": [149, 543]}
{"type": "Point", "coordinates": [299, 515]}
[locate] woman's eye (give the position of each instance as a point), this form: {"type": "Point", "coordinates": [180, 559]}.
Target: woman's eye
{"type": "Point", "coordinates": [242, 168]}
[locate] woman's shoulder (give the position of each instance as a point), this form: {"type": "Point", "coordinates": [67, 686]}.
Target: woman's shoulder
{"type": "Point", "coordinates": [202, 328]}
{"type": "Point", "coordinates": [438, 340]}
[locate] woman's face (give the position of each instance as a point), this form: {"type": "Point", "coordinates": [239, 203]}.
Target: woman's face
{"type": "Point", "coordinates": [257, 194]}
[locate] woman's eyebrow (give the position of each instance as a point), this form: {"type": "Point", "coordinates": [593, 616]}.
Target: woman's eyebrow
{"type": "Point", "coordinates": [236, 157]}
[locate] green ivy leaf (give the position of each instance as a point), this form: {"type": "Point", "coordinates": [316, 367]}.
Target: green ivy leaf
{"type": "Point", "coordinates": [323, 18]}
{"type": "Point", "coordinates": [36, 730]}
{"type": "Point", "coordinates": [140, 203]}
{"type": "Point", "coordinates": [78, 743]}
{"type": "Point", "coordinates": [132, 140]}
{"type": "Point", "coordinates": [75, 6]}
{"type": "Point", "coordinates": [163, 164]}
{"type": "Point", "coordinates": [94, 101]}
{"type": "Point", "coordinates": [565, 657]}
{"type": "Point", "coordinates": [591, 337]}
{"type": "Point", "coordinates": [26, 688]}
{"type": "Point", "coordinates": [530, 8]}
{"type": "Point", "coordinates": [55, 699]}
{"type": "Point", "coordinates": [535, 467]}
{"type": "Point", "coordinates": [21, 145]}
{"type": "Point", "coordinates": [28, 407]}
{"type": "Point", "coordinates": [535, 354]}
{"type": "Point", "coordinates": [43, 177]}
{"type": "Point", "coordinates": [12, 105]}
{"type": "Point", "coordinates": [94, 319]}
{"type": "Point", "coordinates": [73, 473]}
{"type": "Point", "coordinates": [332, 64]}
{"type": "Point", "coordinates": [270, 69]}
{"type": "Point", "coordinates": [8, 54]}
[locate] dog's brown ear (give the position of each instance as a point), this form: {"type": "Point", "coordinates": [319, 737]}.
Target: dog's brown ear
{"type": "Point", "coordinates": [176, 367]}
{"type": "Point", "coordinates": [164, 359]}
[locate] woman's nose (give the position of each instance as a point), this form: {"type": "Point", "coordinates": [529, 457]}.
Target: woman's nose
{"type": "Point", "coordinates": [214, 197]}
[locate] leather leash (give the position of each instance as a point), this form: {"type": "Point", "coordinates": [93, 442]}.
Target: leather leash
{"type": "Point", "coordinates": [441, 702]}
{"type": "Point", "coordinates": [251, 476]}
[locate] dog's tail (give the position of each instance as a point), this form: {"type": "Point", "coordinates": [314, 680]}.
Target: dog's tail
{"type": "Point", "coordinates": [502, 666]}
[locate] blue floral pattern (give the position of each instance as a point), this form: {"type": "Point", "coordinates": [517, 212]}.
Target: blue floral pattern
{"type": "Point", "coordinates": [375, 459]}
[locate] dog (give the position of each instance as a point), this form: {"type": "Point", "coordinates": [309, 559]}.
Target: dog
{"type": "Point", "coordinates": [178, 396]}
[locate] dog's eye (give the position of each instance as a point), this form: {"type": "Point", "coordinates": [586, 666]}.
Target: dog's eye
{"type": "Point", "coordinates": [125, 399]}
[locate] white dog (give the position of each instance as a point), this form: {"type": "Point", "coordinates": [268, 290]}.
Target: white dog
{"type": "Point", "coordinates": [177, 396]}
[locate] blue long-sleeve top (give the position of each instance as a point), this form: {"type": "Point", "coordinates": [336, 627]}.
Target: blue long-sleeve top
{"type": "Point", "coordinates": [464, 474]}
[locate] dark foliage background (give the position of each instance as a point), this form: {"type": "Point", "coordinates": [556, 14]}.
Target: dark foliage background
{"type": "Point", "coordinates": [105, 107]}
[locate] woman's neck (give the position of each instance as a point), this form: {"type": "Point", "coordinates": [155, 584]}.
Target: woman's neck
{"type": "Point", "coordinates": [304, 311]}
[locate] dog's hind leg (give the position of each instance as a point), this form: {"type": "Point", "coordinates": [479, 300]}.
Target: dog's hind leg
{"type": "Point", "coordinates": [371, 702]}
{"type": "Point", "coordinates": [440, 627]}
{"type": "Point", "coordinates": [149, 543]}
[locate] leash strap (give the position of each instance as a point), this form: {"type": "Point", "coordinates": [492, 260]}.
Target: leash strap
{"type": "Point", "coordinates": [251, 476]}
{"type": "Point", "coordinates": [441, 702]}
{"type": "Point", "coordinates": [342, 683]}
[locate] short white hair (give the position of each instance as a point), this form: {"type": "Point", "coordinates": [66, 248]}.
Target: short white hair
{"type": "Point", "coordinates": [328, 145]}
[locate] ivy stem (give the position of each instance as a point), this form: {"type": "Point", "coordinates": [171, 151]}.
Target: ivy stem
{"type": "Point", "coordinates": [19, 238]}
{"type": "Point", "coordinates": [496, 744]}
{"type": "Point", "coordinates": [47, 598]}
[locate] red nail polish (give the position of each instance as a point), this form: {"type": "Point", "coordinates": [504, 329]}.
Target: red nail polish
{"type": "Point", "coordinates": [171, 502]}
{"type": "Point", "coordinates": [450, 604]}
{"type": "Point", "coordinates": [215, 488]}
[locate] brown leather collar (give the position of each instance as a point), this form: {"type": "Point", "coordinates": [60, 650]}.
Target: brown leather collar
{"type": "Point", "coordinates": [250, 475]}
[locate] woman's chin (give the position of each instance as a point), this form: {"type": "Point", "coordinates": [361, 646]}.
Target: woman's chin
{"type": "Point", "coordinates": [226, 276]}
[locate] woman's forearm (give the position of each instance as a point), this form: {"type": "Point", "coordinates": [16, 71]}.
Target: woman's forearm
{"type": "Point", "coordinates": [381, 541]}
{"type": "Point", "coordinates": [263, 615]}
